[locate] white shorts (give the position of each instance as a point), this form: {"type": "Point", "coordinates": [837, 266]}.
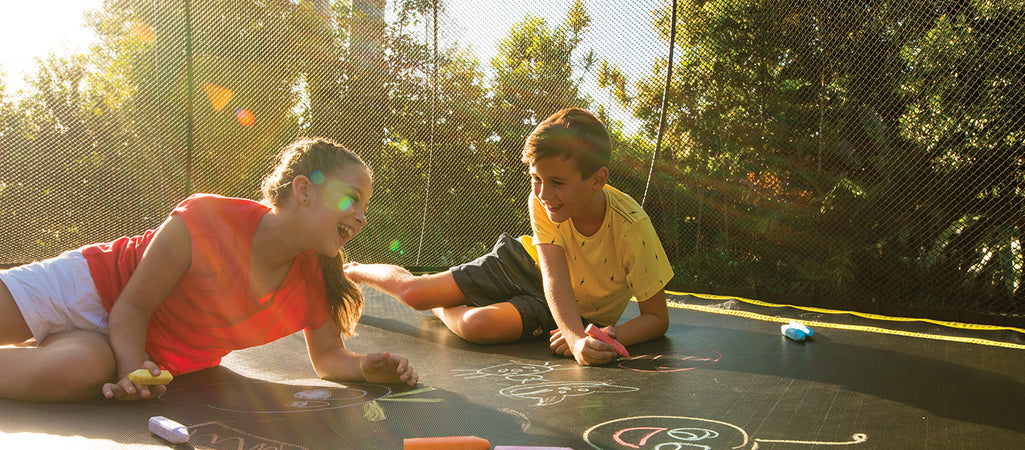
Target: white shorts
{"type": "Point", "coordinates": [56, 295]}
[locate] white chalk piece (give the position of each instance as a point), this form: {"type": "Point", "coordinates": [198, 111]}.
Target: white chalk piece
{"type": "Point", "coordinates": [169, 430]}
{"type": "Point", "coordinates": [804, 328]}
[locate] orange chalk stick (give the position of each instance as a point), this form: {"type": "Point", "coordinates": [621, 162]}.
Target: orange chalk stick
{"type": "Point", "coordinates": [446, 443]}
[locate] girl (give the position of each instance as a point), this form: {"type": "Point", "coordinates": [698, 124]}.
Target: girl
{"type": "Point", "coordinates": [220, 274]}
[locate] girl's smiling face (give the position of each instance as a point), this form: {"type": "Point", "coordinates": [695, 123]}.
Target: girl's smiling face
{"type": "Point", "coordinates": [338, 207]}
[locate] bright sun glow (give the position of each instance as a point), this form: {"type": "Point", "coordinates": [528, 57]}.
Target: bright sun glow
{"type": "Point", "coordinates": [33, 29]}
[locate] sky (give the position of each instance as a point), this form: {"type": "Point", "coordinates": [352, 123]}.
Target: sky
{"type": "Point", "coordinates": [620, 31]}
{"type": "Point", "coordinates": [31, 29]}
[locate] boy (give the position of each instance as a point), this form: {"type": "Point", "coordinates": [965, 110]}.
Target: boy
{"type": "Point", "coordinates": [592, 249]}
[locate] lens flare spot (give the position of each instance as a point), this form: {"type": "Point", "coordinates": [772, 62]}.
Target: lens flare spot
{"type": "Point", "coordinates": [218, 96]}
{"type": "Point", "coordinates": [394, 245]}
{"type": "Point", "coordinates": [141, 32]}
{"type": "Point", "coordinates": [245, 117]}
{"type": "Point", "coordinates": [338, 195]}
{"type": "Point", "coordinates": [592, 408]}
{"type": "Point", "coordinates": [317, 177]}
{"type": "Point", "coordinates": [345, 203]}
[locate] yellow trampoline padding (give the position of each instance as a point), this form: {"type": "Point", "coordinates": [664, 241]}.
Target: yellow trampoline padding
{"type": "Point", "coordinates": [756, 316]}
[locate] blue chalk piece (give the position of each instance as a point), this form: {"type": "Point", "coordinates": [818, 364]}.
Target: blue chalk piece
{"type": "Point", "coordinates": [804, 328]}
{"type": "Point", "coordinates": [792, 333]}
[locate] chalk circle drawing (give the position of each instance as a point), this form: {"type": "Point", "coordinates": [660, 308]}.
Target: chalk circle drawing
{"type": "Point", "coordinates": [524, 420]}
{"type": "Point", "coordinates": [216, 435]}
{"type": "Point", "coordinates": [261, 397]}
{"type": "Point", "coordinates": [671, 361]}
{"type": "Point", "coordinates": [678, 433]}
{"type": "Point", "coordinates": [512, 371]}
{"type": "Point", "coordinates": [554, 392]}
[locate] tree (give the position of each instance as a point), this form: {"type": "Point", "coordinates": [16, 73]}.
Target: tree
{"type": "Point", "coordinates": [865, 150]}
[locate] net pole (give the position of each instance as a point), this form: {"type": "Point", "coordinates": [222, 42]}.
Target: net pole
{"type": "Point", "coordinates": [665, 97]}
{"type": "Point", "coordinates": [430, 149]}
{"type": "Point", "coordinates": [190, 87]}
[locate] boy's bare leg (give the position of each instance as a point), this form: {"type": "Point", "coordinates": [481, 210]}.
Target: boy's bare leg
{"type": "Point", "coordinates": [421, 292]}
{"type": "Point", "coordinates": [490, 324]}
{"type": "Point", "coordinates": [67, 366]}
{"type": "Point", "coordinates": [439, 292]}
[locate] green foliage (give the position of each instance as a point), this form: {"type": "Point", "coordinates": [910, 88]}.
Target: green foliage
{"type": "Point", "coordinates": [867, 150]}
{"type": "Point", "coordinates": [870, 150]}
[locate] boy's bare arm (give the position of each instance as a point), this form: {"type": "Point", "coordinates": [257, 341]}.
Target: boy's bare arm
{"type": "Point", "coordinates": [559, 294]}
{"type": "Point", "coordinates": [650, 324]}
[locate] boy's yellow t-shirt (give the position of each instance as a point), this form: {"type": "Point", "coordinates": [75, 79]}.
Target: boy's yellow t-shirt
{"type": "Point", "coordinates": [623, 259]}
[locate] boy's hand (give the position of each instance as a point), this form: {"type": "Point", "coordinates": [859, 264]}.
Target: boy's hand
{"type": "Point", "coordinates": [125, 389]}
{"type": "Point", "coordinates": [558, 344]}
{"type": "Point", "coordinates": [387, 368]}
{"type": "Point", "coordinates": [593, 352]}
{"type": "Point", "coordinates": [587, 351]}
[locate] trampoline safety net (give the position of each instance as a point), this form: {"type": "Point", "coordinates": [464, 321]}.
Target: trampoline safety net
{"type": "Point", "coordinates": [870, 151]}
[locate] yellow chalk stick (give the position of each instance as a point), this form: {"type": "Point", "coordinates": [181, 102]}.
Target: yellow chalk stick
{"type": "Point", "coordinates": [142, 376]}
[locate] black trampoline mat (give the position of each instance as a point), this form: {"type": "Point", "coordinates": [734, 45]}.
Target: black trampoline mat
{"type": "Point", "coordinates": [715, 381]}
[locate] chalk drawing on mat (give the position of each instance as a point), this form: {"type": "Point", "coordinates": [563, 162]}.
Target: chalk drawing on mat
{"type": "Point", "coordinates": [511, 371]}
{"type": "Point", "coordinates": [524, 420]}
{"type": "Point", "coordinates": [679, 433]}
{"type": "Point", "coordinates": [403, 395]}
{"type": "Point", "coordinates": [260, 397]}
{"type": "Point", "coordinates": [671, 361]}
{"type": "Point", "coordinates": [373, 412]}
{"type": "Point", "coordinates": [553, 392]}
{"type": "Point", "coordinates": [216, 435]}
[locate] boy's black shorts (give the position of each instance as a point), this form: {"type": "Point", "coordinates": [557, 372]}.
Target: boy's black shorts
{"type": "Point", "coordinates": [508, 274]}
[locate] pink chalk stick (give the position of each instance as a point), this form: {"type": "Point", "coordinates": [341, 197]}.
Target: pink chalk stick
{"type": "Point", "coordinates": [600, 335]}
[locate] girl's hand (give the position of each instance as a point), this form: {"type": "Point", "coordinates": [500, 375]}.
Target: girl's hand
{"type": "Point", "coordinates": [125, 389]}
{"type": "Point", "coordinates": [387, 368]}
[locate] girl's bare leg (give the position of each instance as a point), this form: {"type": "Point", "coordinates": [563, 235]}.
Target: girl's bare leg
{"type": "Point", "coordinates": [13, 329]}
{"type": "Point", "coordinates": [67, 366]}
{"type": "Point", "coordinates": [64, 367]}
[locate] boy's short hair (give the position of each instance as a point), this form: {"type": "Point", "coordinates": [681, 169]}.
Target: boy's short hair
{"type": "Point", "coordinates": [572, 133]}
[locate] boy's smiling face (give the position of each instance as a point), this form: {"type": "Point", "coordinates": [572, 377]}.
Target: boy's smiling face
{"type": "Point", "coordinates": [562, 189]}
